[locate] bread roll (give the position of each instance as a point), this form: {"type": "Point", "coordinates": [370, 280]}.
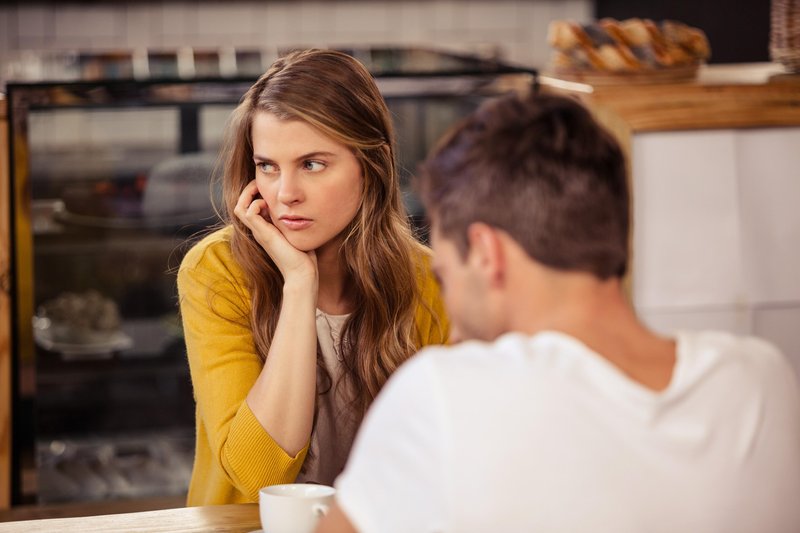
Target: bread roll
{"type": "Point", "coordinates": [631, 45]}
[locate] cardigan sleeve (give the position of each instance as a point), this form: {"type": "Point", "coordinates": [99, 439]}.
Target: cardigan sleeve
{"type": "Point", "coordinates": [431, 317]}
{"type": "Point", "coordinates": [224, 366]}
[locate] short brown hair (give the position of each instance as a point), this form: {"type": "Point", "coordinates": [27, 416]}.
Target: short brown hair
{"type": "Point", "coordinates": [543, 170]}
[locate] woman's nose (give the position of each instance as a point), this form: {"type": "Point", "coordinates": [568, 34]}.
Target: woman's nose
{"type": "Point", "coordinates": [290, 189]}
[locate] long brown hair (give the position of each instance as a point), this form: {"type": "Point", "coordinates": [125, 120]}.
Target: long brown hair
{"type": "Point", "coordinates": [336, 94]}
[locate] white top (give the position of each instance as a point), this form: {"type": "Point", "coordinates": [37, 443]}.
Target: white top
{"type": "Point", "coordinates": [542, 434]}
{"type": "Point", "coordinates": [334, 425]}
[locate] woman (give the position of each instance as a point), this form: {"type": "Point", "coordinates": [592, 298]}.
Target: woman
{"type": "Point", "coordinates": [296, 313]}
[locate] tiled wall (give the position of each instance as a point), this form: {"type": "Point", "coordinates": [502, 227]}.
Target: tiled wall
{"type": "Point", "coordinates": [711, 235]}
{"type": "Point", "coordinates": [514, 28]}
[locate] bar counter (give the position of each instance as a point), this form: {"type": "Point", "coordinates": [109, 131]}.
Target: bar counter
{"type": "Point", "coordinates": [240, 518]}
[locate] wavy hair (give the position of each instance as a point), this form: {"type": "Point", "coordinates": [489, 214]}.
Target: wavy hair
{"type": "Point", "coordinates": [335, 93]}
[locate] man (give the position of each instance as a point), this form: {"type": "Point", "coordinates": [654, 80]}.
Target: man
{"type": "Point", "coordinates": [564, 412]}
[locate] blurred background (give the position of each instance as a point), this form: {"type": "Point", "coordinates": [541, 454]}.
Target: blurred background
{"type": "Point", "coordinates": [109, 131]}
{"type": "Point", "coordinates": [514, 30]}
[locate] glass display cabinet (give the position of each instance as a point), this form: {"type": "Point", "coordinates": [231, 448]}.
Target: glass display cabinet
{"type": "Point", "coordinates": [110, 182]}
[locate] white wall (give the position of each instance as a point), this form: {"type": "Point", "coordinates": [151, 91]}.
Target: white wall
{"type": "Point", "coordinates": [716, 232]}
{"type": "Point", "coordinates": [516, 28]}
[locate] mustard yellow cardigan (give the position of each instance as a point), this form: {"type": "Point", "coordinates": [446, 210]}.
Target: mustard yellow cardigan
{"type": "Point", "coordinates": [234, 455]}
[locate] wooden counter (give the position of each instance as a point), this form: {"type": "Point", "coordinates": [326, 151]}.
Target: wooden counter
{"type": "Point", "coordinates": [242, 518]}
{"type": "Point", "coordinates": [722, 96]}
{"type": "Point", "coordinates": [5, 316]}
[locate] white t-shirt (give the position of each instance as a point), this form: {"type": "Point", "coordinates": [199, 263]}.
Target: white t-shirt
{"type": "Point", "coordinates": [542, 434]}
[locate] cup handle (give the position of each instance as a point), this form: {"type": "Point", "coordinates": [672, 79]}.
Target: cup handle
{"type": "Point", "coordinates": [319, 509]}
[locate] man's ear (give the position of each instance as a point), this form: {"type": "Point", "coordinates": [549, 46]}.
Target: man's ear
{"type": "Point", "coordinates": [486, 252]}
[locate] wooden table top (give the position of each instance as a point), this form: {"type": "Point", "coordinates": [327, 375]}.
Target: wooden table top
{"type": "Point", "coordinates": [241, 518]}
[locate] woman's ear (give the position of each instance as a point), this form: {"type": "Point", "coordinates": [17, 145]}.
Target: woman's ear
{"type": "Point", "coordinates": [486, 252]}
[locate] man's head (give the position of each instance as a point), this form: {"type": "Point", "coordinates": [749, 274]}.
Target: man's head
{"type": "Point", "coordinates": [540, 171]}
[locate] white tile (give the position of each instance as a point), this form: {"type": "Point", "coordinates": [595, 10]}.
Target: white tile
{"type": "Point", "coordinates": [279, 26]}
{"type": "Point", "coordinates": [519, 52]}
{"type": "Point", "coordinates": [174, 40]}
{"type": "Point", "coordinates": [523, 21]}
{"type": "Point", "coordinates": [34, 20]}
{"type": "Point", "coordinates": [87, 42]}
{"type": "Point", "coordinates": [525, 9]}
{"type": "Point", "coordinates": [407, 20]}
{"type": "Point", "coordinates": [143, 26]}
{"type": "Point", "coordinates": [260, 13]}
{"type": "Point", "coordinates": [81, 21]}
{"type": "Point", "coordinates": [178, 21]}
{"type": "Point", "coordinates": [445, 15]}
{"type": "Point", "coordinates": [768, 161]}
{"type": "Point", "coordinates": [578, 10]}
{"type": "Point", "coordinates": [542, 15]}
{"type": "Point", "coordinates": [228, 18]}
{"type": "Point", "coordinates": [241, 38]}
{"type": "Point", "coordinates": [490, 15]}
{"type": "Point", "coordinates": [8, 31]}
{"type": "Point", "coordinates": [34, 27]}
{"type": "Point", "coordinates": [345, 40]}
{"type": "Point", "coordinates": [780, 326]}
{"type": "Point", "coordinates": [359, 18]}
{"type": "Point", "coordinates": [7, 68]}
{"type": "Point", "coordinates": [313, 22]}
{"type": "Point", "coordinates": [733, 319]}
{"type": "Point", "coordinates": [687, 248]}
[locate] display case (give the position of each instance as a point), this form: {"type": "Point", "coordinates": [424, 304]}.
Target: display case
{"type": "Point", "coordinates": [110, 183]}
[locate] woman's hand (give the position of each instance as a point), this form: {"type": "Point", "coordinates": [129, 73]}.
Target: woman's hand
{"type": "Point", "coordinates": [282, 398]}
{"type": "Point", "coordinates": [295, 265]}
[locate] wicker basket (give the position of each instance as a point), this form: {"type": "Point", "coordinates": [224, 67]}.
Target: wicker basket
{"type": "Point", "coordinates": [784, 45]}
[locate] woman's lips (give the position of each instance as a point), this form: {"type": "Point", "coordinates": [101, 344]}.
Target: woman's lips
{"type": "Point", "coordinates": [296, 223]}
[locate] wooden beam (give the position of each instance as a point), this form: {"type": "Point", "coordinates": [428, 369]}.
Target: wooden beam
{"type": "Point", "coordinates": [5, 315]}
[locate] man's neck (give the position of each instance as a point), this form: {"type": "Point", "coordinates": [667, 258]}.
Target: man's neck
{"type": "Point", "coordinates": [598, 314]}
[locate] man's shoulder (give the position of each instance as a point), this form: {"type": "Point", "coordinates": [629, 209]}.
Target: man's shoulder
{"type": "Point", "coordinates": [747, 360]}
{"type": "Point", "coordinates": [744, 349]}
{"type": "Point", "coordinates": [508, 350]}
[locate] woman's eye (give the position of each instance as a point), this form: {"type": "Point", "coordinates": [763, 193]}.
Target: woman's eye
{"type": "Point", "coordinates": [266, 168]}
{"type": "Point", "coordinates": [313, 166]}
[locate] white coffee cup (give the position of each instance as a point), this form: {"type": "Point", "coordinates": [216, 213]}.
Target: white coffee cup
{"type": "Point", "coordinates": [293, 508]}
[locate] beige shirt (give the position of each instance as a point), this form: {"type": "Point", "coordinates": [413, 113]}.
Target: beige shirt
{"type": "Point", "coordinates": [334, 427]}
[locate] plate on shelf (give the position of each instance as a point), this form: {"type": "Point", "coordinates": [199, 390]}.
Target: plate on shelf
{"type": "Point", "coordinates": [101, 347]}
{"type": "Point", "coordinates": [139, 222]}
{"type": "Point", "coordinates": [644, 77]}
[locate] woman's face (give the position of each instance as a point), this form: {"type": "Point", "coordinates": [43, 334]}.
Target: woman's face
{"type": "Point", "coordinates": [311, 183]}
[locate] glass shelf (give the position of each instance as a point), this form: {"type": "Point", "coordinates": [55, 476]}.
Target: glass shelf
{"type": "Point", "coordinates": [110, 179]}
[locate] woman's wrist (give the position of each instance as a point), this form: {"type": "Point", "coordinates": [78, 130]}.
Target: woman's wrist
{"type": "Point", "coordinates": [298, 287]}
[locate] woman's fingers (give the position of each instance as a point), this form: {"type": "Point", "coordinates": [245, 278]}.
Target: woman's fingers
{"type": "Point", "coordinates": [253, 211]}
{"type": "Point", "coordinates": [258, 208]}
{"type": "Point", "coordinates": [246, 198]}
{"type": "Point", "coordinates": [256, 217]}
